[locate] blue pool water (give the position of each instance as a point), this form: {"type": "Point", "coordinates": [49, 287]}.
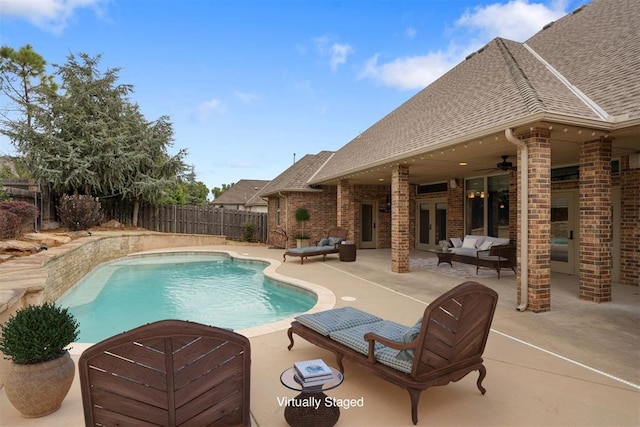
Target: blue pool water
{"type": "Point", "coordinates": [212, 289]}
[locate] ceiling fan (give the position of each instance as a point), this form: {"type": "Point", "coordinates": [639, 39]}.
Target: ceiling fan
{"type": "Point", "coordinates": [504, 165]}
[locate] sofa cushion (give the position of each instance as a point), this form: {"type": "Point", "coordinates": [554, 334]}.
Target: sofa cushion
{"type": "Point", "coordinates": [325, 322]}
{"type": "Point", "coordinates": [469, 243]}
{"type": "Point", "coordinates": [497, 240]}
{"type": "Point", "coordinates": [324, 242]}
{"type": "Point", "coordinates": [456, 241]}
{"type": "Point", "coordinates": [465, 251]}
{"type": "Point", "coordinates": [485, 245]}
{"type": "Point", "coordinates": [354, 337]}
{"type": "Point", "coordinates": [334, 240]}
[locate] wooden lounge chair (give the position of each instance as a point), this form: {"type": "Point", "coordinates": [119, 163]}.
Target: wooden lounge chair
{"type": "Point", "coordinates": [443, 346]}
{"type": "Point", "coordinates": [167, 373]}
{"type": "Point", "coordinates": [326, 246]}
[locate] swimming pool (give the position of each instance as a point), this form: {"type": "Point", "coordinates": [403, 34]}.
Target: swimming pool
{"type": "Point", "coordinates": [208, 288]}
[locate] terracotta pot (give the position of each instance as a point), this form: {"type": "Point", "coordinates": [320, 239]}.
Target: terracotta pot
{"type": "Point", "coordinates": [39, 389]}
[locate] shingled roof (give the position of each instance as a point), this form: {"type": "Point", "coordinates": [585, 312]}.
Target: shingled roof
{"type": "Point", "coordinates": [242, 192]}
{"type": "Point", "coordinates": [297, 177]}
{"type": "Point", "coordinates": [577, 69]}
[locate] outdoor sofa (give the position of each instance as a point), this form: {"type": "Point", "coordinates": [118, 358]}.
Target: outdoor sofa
{"type": "Point", "coordinates": [484, 251]}
{"type": "Point", "coordinates": [444, 345]}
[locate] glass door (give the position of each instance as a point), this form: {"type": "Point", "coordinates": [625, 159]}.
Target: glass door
{"type": "Point", "coordinates": [563, 232]}
{"type": "Point", "coordinates": [431, 223]}
{"type": "Point", "coordinates": [368, 221]}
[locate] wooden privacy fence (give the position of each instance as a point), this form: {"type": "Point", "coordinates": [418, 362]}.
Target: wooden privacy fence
{"type": "Point", "coordinates": [203, 220]}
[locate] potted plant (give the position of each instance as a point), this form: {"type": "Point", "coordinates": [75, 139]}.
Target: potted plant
{"type": "Point", "coordinates": [302, 216]}
{"type": "Point", "coordinates": [35, 339]}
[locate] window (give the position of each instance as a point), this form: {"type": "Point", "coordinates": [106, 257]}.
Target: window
{"type": "Point", "coordinates": [474, 212]}
{"type": "Point", "coordinates": [487, 206]}
{"type": "Point", "coordinates": [498, 206]}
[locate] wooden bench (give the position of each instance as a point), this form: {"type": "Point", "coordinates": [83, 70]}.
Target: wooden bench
{"type": "Point", "coordinates": [445, 344]}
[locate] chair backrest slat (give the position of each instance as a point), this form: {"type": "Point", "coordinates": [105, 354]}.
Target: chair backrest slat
{"type": "Point", "coordinates": [167, 373]}
{"type": "Point", "coordinates": [455, 328]}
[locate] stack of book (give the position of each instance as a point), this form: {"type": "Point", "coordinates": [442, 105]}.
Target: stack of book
{"type": "Point", "coordinates": [312, 373]}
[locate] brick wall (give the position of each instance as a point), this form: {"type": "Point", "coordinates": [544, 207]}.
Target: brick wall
{"type": "Point", "coordinates": [629, 224]}
{"type": "Point", "coordinates": [322, 207]}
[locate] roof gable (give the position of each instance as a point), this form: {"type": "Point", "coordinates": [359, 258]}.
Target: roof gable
{"type": "Point", "coordinates": [241, 192]}
{"type": "Point", "coordinates": [297, 176]}
{"type": "Point", "coordinates": [597, 49]}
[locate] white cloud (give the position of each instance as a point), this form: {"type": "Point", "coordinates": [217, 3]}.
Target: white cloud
{"type": "Point", "coordinates": [206, 107]}
{"type": "Point", "coordinates": [516, 20]}
{"type": "Point", "coordinates": [408, 72]}
{"type": "Point", "coordinates": [339, 53]}
{"type": "Point", "coordinates": [246, 98]}
{"type": "Point", "coordinates": [336, 52]}
{"type": "Point", "coordinates": [50, 15]}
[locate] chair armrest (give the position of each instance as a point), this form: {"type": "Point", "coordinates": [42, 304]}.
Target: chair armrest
{"type": "Point", "coordinates": [372, 338]}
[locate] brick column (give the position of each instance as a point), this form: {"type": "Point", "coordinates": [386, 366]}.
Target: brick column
{"type": "Point", "coordinates": [629, 224]}
{"type": "Point", "coordinates": [539, 270]}
{"type": "Point", "coordinates": [345, 214]}
{"type": "Point", "coordinates": [455, 210]}
{"type": "Point", "coordinates": [400, 219]}
{"type": "Point", "coordinates": [595, 221]}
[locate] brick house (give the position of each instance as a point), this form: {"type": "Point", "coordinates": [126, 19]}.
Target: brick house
{"type": "Point", "coordinates": [242, 196]}
{"type": "Point", "coordinates": [536, 141]}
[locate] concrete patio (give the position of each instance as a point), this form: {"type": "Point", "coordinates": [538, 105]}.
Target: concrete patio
{"type": "Point", "coordinates": [578, 364]}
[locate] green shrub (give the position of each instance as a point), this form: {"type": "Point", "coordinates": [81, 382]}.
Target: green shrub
{"type": "Point", "coordinates": [247, 231]}
{"type": "Point", "coordinates": [38, 333]}
{"type": "Point", "coordinates": [79, 212]}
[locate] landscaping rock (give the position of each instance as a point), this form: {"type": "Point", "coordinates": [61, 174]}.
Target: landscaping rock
{"type": "Point", "coordinates": [19, 246]}
{"type": "Point", "coordinates": [48, 240]}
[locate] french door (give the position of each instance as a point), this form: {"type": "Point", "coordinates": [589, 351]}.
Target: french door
{"type": "Point", "coordinates": [368, 220]}
{"type": "Point", "coordinates": [564, 231]}
{"type": "Point", "coordinates": [431, 223]}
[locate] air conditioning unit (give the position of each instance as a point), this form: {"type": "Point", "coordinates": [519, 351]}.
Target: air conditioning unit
{"type": "Point", "coordinates": [634, 161]}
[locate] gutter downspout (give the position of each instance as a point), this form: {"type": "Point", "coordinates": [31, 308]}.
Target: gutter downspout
{"type": "Point", "coordinates": [286, 215]}
{"type": "Point", "coordinates": [524, 217]}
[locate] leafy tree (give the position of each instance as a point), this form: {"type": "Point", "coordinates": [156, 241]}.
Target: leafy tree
{"type": "Point", "coordinates": [91, 139]}
{"type": "Point", "coordinates": [217, 191]}
{"type": "Point", "coordinates": [22, 74]}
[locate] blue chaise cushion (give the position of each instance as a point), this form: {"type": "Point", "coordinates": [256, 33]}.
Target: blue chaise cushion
{"type": "Point", "coordinates": [325, 322]}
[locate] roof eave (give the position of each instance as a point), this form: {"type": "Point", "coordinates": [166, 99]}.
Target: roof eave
{"type": "Point", "coordinates": [591, 123]}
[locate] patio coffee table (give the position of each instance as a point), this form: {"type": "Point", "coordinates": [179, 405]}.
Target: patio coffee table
{"type": "Point", "coordinates": [445, 255]}
{"type": "Point", "coordinates": [311, 407]}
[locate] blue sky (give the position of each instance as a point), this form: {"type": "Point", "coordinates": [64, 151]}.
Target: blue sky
{"type": "Point", "coordinates": [249, 85]}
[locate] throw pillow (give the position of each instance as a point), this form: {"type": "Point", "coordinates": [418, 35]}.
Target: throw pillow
{"type": "Point", "coordinates": [411, 334]}
{"type": "Point", "coordinates": [334, 240]}
{"type": "Point", "coordinates": [324, 242]}
{"type": "Point", "coordinates": [486, 245]}
{"type": "Point", "coordinates": [469, 243]}
{"type": "Point", "coordinates": [457, 242]}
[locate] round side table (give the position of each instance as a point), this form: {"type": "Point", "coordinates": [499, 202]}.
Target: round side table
{"type": "Point", "coordinates": [348, 251]}
{"type": "Point", "coordinates": [311, 407]}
